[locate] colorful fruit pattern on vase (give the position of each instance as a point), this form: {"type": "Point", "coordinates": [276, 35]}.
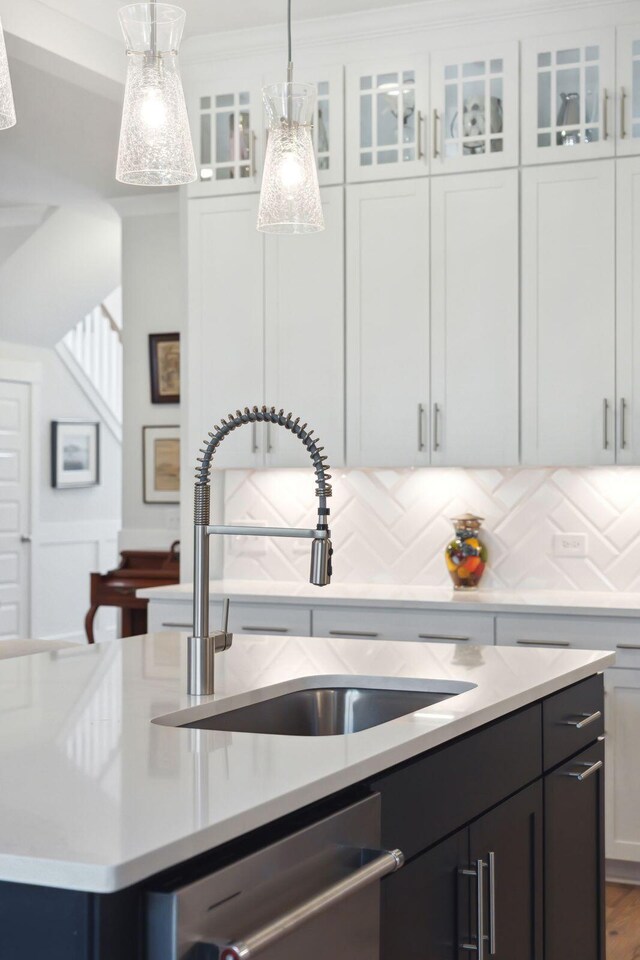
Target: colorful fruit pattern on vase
{"type": "Point", "coordinates": [466, 555]}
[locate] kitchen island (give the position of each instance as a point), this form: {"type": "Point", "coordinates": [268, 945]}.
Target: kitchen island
{"type": "Point", "coordinates": [100, 804]}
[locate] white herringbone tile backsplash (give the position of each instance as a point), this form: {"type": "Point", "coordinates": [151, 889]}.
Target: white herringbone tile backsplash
{"type": "Point", "coordinates": [391, 526]}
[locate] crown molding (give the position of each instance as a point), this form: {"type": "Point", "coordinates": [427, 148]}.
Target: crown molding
{"type": "Point", "coordinates": [385, 22]}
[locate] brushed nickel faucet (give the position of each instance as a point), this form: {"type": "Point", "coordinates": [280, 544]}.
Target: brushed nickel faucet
{"type": "Point", "coordinates": [202, 645]}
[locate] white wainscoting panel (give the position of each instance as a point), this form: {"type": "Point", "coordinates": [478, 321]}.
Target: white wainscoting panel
{"type": "Point", "coordinates": [391, 526]}
{"type": "Point", "coordinates": [64, 555]}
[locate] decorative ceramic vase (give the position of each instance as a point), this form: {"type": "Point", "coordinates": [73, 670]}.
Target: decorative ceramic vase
{"type": "Point", "coordinates": [466, 555]}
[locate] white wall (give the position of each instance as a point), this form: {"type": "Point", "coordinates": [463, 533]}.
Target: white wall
{"type": "Point", "coordinates": [152, 302]}
{"type": "Point", "coordinates": [75, 531]}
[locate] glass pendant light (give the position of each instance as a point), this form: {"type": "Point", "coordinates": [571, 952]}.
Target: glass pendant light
{"type": "Point", "coordinates": [155, 142]}
{"type": "Point", "coordinates": [290, 195]}
{"type": "Point", "coordinates": [7, 108]}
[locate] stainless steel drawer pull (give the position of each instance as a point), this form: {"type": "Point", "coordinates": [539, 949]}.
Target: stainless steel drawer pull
{"type": "Point", "coordinates": [492, 904]}
{"type": "Point", "coordinates": [623, 424]}
{"type": "Point", "coordinates": [181, 626]}
{"type": "Point", "coordinates": [266, 629]}
{"type": "Point", "coordinates": [623, 100]}
{"type": "Point", "coordinates": [591, 768]}
{"type": "Point", "coordinates": [605, 422]}
{"type": "Point", "coordinates": [587, 718]}
{"type": "Point", "coordinates": [248, 947]}
{"type": "Point", "coordinates": [544, 643]}
{"type": "Point", "coordinates": [421, 443]}
{"type": "Point", "coordinates": [353, 633]}
{"type": "Point", "coordinates": [478, 873]}
{"type": "Point", "coordinates": [450, 638]}
{"type": "Point", "coordinates": [627, 646]}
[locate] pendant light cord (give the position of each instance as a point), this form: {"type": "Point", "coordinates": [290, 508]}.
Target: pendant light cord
{"type": "Point", "coordinates": [289, 31]}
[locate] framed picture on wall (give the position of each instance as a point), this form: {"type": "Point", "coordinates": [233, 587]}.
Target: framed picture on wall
{"type": "Point", "coordinates": [161, 464]}
{"type": "Point", "coordinates": [75, 454]}
{"type": "Point", "coordinates": [164, 367]}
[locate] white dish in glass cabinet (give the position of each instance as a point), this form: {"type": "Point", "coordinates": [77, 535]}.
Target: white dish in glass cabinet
{"type": "Point", "coordinates": [628, 63]}
{"type": "Point", "coordinates": [568, 102]}
{"type": "Point", "coordinates": [474, 115]}
{"type": "Point", "coordinates": [386, 109]}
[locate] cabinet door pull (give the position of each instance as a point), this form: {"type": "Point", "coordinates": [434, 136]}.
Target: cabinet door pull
{"type": "Point", "coordinates": [254, 439]}
{"type": "Point", "coordinates": [436, 118]}
{"type": "Point", "coordinates": [450, 638]}
{"type": "Point", "coordinates": [353, 633]}
{"type": "Point", "coordinates": [265, 629]}
{"type": "Point", "coordinates": [436, 432]}
{"type": "Point", "coordinates": [627, 646]}
{"type": "Point", "coordinates": [478, 873]}
{"type": "Point", "coordinates": [492, 904]}
{"type": "Point", "coordinates": [269, 444]}
{"type": "Point", "coordinates": [543, 643]}
{"type": "Point", "coordinates": [421, 443]}
{"type": "Point", "coordinates": [591, 768]}
{"type": "Point", "coordinates": [605, 114]}
{"type": "Point", "coordinates": [420, 145]}
{"type": "Point", "coordinates": [253, 154]}
{"type": "Point", "coordinates": [182, 626]}
{"type": "Point", "coordinates": [587, 718]}
{"type": "Point", "coordinates": [623, 417]}
{"type": "Point", "coordinates": [623, 107]}
{"type": "Point", "coordinates": [605, 424]}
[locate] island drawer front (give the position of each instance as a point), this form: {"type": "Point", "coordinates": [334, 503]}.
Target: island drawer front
{"type": "Point", "coordinates": [572, 719]}
{"type": "Point", "coordinates": [479, 771]}
{"type": "Point", "coordinates": [278, 619]}
{"type": "Point", "coordinates": [586, 633]}
{"type": "Point", "coordinates": [380, 623]}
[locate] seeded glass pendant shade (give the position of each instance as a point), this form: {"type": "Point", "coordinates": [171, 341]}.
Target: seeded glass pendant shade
{"type": "Point", "coordinates": [155, 142]}
{"type": "Point", "coordinates": [290, 195]}
{"type": "Point", "coordinates": [7, 108]}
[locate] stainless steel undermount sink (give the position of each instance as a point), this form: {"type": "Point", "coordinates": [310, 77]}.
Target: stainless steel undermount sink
{"type": "Point", "coordinates": [336, 707]}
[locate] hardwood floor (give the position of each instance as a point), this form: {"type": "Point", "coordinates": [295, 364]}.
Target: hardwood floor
{"type": "Point", "coordinates": [623, 922]}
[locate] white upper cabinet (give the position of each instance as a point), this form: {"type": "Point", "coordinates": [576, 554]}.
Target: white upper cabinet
{"type": "Point", "coordinates": [628, 62]}
{"type": "Point", "coordinates": [628, 313]}
{"type": "Point", "coordinates": [386, 106]}
{"type": "Point", "coordinates": [388, 323]}
{"type": "Point", "coordinates": [474, 319]}
{"type": "Point", "coordinates": [227, 123]}
{"type": "Point", "coordinates": [304, 335]}
{"type": "Point", "coordinates": [568, 314]}
{"type": "Point", "coordinates": [225, 342]}
{"type": "Point", "coordinates": [474, 115]}
{"type": "Point", "coordinates": [568, 97]}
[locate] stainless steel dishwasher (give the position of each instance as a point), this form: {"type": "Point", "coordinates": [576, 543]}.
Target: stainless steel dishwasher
{"type": "Point", "coordinates": [311, 896]}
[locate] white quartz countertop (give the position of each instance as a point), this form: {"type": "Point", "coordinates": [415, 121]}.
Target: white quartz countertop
{"type": "Point", "coordinates": [588, 603]}
{"type": "Point", "coordinates": [94, 796]}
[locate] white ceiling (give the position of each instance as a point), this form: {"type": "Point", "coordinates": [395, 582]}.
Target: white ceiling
{"type": "Point", "coordinates": [214, 16]}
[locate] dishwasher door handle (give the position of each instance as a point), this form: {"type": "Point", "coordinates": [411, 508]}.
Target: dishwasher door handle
{"type": "Point", "coordinates": [387, 861]}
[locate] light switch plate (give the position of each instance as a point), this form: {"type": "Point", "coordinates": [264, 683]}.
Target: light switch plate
{"type": "Point", "coordinates": [570, 545]}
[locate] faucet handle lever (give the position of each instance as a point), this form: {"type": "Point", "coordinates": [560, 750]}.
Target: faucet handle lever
{"type": "Point", "coordinates": [225, 615]}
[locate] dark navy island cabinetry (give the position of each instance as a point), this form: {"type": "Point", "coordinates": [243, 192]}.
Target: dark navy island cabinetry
{"type": "Point", "coordinates": [502, 830]}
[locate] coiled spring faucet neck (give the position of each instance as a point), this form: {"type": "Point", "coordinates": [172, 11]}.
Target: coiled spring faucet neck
{"type": "Point", "coordinates": [201, 644]}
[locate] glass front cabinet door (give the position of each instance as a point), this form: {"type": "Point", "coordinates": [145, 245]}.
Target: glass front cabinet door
{"type": "Point", "coordinates": [474, 116]}
{"type": "Point", "coordinates": [386, 120]}
{"type": "Point", "coordinates": [568, 97]}
{"type": "Point", "coordinates": [628, 61]}
{"type": "Point", "coordinates": [226, 125]}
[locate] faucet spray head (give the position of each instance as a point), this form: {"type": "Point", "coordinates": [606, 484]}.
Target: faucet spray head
{"type": "Point", "coordinates": [321, 551]}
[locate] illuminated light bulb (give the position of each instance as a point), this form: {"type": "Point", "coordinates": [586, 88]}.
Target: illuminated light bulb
{"type": "Point", "coordinates": [290, 194]}
{"type": "Point", "coordinates": [155, 142]}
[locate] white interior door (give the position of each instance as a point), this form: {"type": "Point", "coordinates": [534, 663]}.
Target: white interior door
{"type": "Point", "coordinates": [474, 319]}
{"type": "Point", "coordinates": [15, 497]}
{"type": "Point", "coordinates": [568, 314]}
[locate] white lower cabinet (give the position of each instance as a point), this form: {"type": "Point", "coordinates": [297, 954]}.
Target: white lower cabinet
{"type": "Point", "coordinates": [275, 618]}
{"type": "Point", "coordinates": [382, 623]}
{"type": "Point", "coordinates": [622, 782]}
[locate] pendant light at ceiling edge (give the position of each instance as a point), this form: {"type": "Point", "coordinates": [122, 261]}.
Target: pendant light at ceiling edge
{"type": "Point", "coordinates": [7, 107]}
{"type": "Point", "coordinates": [155, 148]}
{"type": "Point", "coordinates": [290, 195]}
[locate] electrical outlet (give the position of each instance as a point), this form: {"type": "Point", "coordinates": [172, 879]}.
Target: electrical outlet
{"type": "Point", "coordinates": [570, 545]}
